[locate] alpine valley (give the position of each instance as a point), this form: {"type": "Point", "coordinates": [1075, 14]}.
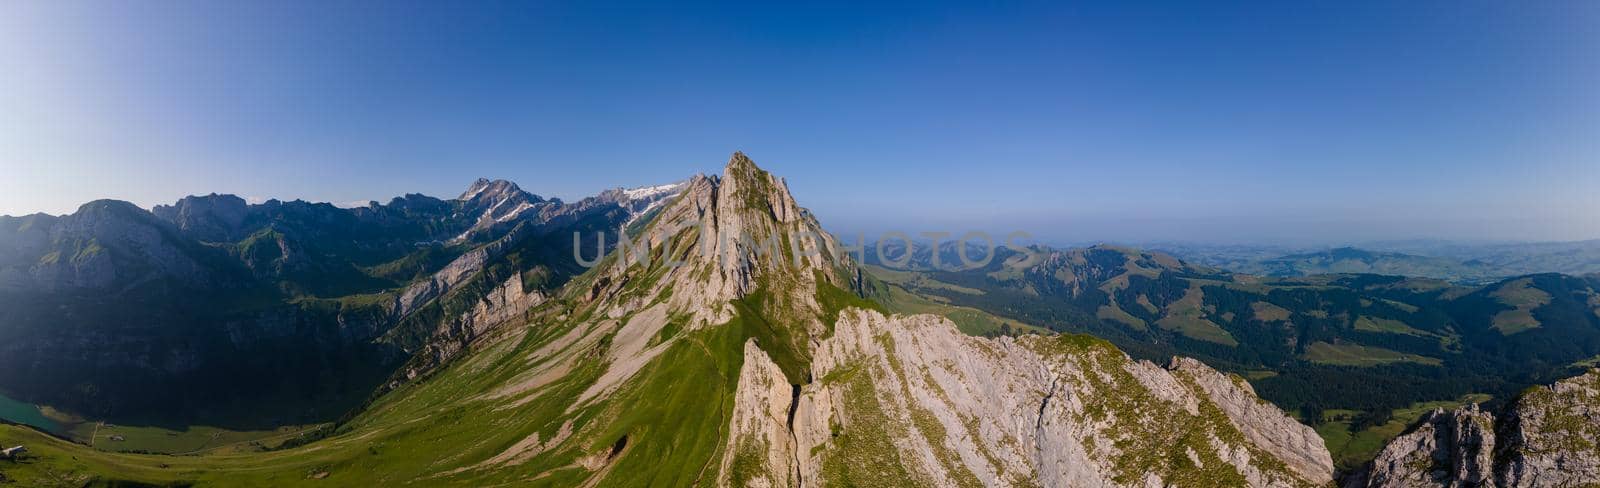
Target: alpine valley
{"type": "Point", "coordinates": [710, 333]}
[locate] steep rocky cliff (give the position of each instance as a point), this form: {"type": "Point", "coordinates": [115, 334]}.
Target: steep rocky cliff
{"type": "Point", "coordinates": [1549, 437]}
{"type": "Point", "coordinates": [908, 400]}
{"type": "Point", "coordinates": [1448, 448]}
{"type": "Point", "coordinates": [827, 392]}
{"type": "Point", "coordinates": [1552, 436]}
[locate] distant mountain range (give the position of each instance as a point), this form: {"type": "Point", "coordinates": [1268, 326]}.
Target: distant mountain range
{"type": "Point", "coordinates": [1457, 262]}
{"type": "Point", "coordinates": [1360, 261]}
{"type": "Point", "coordinates": [213, 305]}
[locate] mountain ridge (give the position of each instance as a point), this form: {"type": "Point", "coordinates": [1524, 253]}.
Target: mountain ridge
{"type": "Point", "coordinates": [158, 298]}
{"type": "Point", "coordinates": [799, 377]}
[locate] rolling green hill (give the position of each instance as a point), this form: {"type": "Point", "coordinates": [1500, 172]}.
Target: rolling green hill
{"type": "Point", "coordinates": [1349, 260]}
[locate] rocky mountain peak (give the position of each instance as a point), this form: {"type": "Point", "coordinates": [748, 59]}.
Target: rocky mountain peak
{"type": "Point", "coordinates": [732, 235]}
{"type": "Point", "coordinates": [739, 162]}
{"type": "Point", "coordinates": [485, 190]}
{"type": "Point", "coordinates": [829, 392]}
{"type": "Point", "coordinates": [472, 191]}
{"type": "Point", "coordinates": [749, 186]}
{"type": "Point", "coordinates": [210, 218]}
{"type": "Point", "coordinates": [106, 243]}
{"type": "Point", "coordinates": [498, 203]}
{"type": "Point", "coordinates": [107, 208]}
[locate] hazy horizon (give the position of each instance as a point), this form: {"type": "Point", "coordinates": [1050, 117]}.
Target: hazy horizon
{"type": "Point", "coordinates": [1261, 123]}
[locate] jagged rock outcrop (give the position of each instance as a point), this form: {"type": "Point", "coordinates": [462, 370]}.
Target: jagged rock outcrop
{"type": "Point", "coordinates": [452, 275]}
{"type": "Point", "coordinates": [721, 238]}
{"type": "Point", "coordinates": [761, 451]}
{"type": "Point", "coordinates": [910, 401]}
{"type": "Point", "coordinates": [1549, 437]}
{"type": "Point", "coordinates": [454, 331]}
{"type": "Point", "coordinates": [1450, 448]}
{"type": "Point", "coordinates": [1262, 423]}
{"type": "Point", "coordinates": [826, 395]}
{"type": "Point", "coordinates": [210, 218]}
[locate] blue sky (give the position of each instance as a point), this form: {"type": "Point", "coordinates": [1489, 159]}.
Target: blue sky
{"type": "Point", "coordinates": [1245, 121]}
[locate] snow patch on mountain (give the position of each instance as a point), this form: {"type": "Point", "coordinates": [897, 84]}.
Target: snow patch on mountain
{"type": "Point", "coordinates": [646, 192]}
{"type": "Point", "coordinates": [514, 212]}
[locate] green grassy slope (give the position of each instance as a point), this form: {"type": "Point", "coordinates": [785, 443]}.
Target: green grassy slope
{"type": "Point", "coordinates": [570, 395]}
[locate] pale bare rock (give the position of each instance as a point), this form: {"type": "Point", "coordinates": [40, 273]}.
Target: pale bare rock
{"type": "Point", "coordinates": [630, 351]}
{"type": "Point", "coordinates": [966, 411]}
{"type": "Point", "coordinates": [1261, 422]}
{"type": "Point", "coordinates": [452, 335]}
{"type": "Point", "coordinates": [554, 360]}
{"type": "Point", "coordinates": [1448, 449]}
{"type": "Point", "coordinates": [524, 450]}
{"type": "Point", "coordinates": [1548, 438]}
{"type": "Point", "coordinates": [759, 434]}
{"type": "Point", "coordinates": [530, 447]}
{"type": "Point", "coordinates": [441, 281]}
{"type": "Point", "coordinates": [1553, 436]}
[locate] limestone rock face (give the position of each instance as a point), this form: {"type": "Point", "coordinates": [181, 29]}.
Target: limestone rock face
{"type": "Point", "coordinates": [452, 275]}
{"type": "Point", "coordinates": [910, 401]}
{"type": "Point", "coordinates": [1448, 449]}
{"type": "Point", "coordinates": [1549, 437]}
{"type": "Point", "coordinates": [453, 334]}
{"type": "Point", "coordinates": [210, 218]}
{"type": "Point", "coordinates": [1552, 436]}
{"type": "Point", "coordinates": [1261, 422]}
{"type": "Point", "coordinates": [759, 430]}
{"type": "Point", "coordinates": [721, 237]}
